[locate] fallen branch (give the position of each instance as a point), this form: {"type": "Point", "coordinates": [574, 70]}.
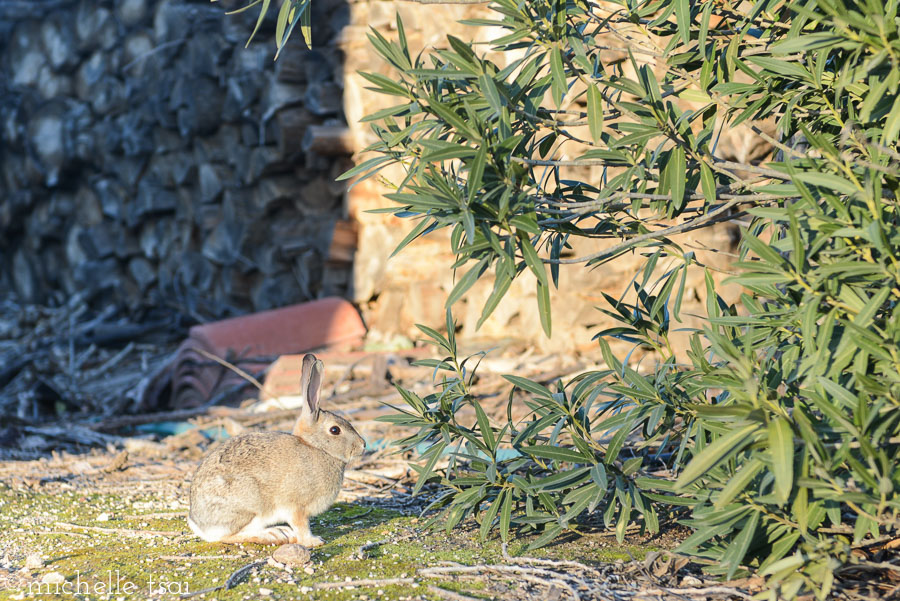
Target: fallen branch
{"type": "Point", "coordinates": [698, 592]}
{"type": "Point", "coordinates": [448, 594]}
{"type": "Point", "coordinates": [124, 531]}
{"type": "Point", "coordinates": [232, 581]}
{"type": "Point", "coordinates": [363, 582]}
{"type": "Point", "coordinates": [361, 552]}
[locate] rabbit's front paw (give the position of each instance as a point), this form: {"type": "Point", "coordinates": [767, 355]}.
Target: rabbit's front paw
{"type": "Point", "coordinates": [311, 541]}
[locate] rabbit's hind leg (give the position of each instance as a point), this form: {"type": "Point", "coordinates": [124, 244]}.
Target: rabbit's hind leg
{"type": "Point", "coordinates": [257, 532]}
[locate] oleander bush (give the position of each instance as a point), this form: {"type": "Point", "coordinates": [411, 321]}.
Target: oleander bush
{"type": "Point", "coordinates": [775, 435]}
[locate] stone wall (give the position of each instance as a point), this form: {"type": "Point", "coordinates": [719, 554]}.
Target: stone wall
{"type": "Point", "coordinates": [148, 157]}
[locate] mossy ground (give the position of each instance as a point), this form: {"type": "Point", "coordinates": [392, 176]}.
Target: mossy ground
{"type": "Point", "coordinates": [156, 553]}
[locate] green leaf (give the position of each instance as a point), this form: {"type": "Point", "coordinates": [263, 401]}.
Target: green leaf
{"type": "Point", "coordinates": [707, 183]}
{"type": "Point", "coordinates": [488, 519]}
{"type": "Point", "coordinates": [826, 180]}
{"type": "Point", "coordinates": [736, 551]}
{"type": "Point", "coordinates": [505, 515]}
{"type": "Point", "coordinates": [413, 234]}
{"type": "Point", "coordinates": [595, 112]}
{"type": "Point", "coordinates": [281, 23]}
{"type": "Point", "coordinates": [476, 173]}
{"type": "Point", "coordinates": [501, 286]}
{"type": "Point", "coordinates": [781, 447]}
{"type": "Point", "coordinates": [739, 482]}
{"type": "Point", "coordinates": [683, 17]}
{"type": "Point", "coordinates": [715, 453]}
{"type": "Point", "coordinates": [558, 74]}
{"type": "Point", "coordinates": [543, 301]}
{"type": "Point", "coordinates": [805, 43]}
{"type": "Point", "coordinates": [677, 175]}
{"type": "Point", "coordinates": [484, 425]}
{"type": "Point", "coordinates": [550, 532]}
{"type": "Point", "coordinates": [434, 454]}
{"type": "Point", "coordinates": [489, 87]}
{"type": "Point", "coordinates": [555, 453]}
{"type": "Point", "coordinates": [531, 257]}
{"type": "Point", "coordinates": [466, 282]}
{"type": "Point", "coordinates": [529, 386]}
{"type": "Point", "coordinates": [262, 15]}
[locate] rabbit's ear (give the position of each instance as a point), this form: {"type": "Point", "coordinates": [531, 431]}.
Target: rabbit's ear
{"type": "Point", "coordinates": [310, 382]}
{"type": "Point", "coordinates": [314, 387]}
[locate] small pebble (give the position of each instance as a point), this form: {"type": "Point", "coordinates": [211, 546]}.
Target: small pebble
{"type": "Point", "coordinates": [309, 570]}
{"type": "Point", "coordinates": [53, 578]}
{"type": "Point", "coordinates": [34, 562]}
{"type": "Point", "coordinates": [690, 581]}
{"type": "Point", "coordinates": [292, 555]}
{"type": "Point", "coordinates": [265, 592]}
{"type": "Point", "coordinates": [103, 517]}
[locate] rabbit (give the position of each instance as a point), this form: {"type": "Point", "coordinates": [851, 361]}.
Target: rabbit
{"type": "Point", "coordinates": [249, 484]}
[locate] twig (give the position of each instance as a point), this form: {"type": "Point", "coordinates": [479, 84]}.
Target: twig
{"type": "Point", "coordinates": [550, 562]}
{"type": "Point", "coordinates": [363, 582]}
{"type": "Point", "coordinates": [535, 575]}
{"type": "Point", "coordinates": [124, 531]}
{"type": "Point", "coordinates": [361, 552]}
{"type": "Point", "coordinates": [448, 594]}
{"type": "Point", "coordinates": [697, 592]}
{"type": "Point", "coordinates": [156, 516]}
{"type": "Point", "coordinates": [189, 558]}
{"type": "Point", "coordinates": [668, 231]}
{"type": "Point", "coordinates": [110, 363]}
{"type": "Point", "coordinates": [230, 583]}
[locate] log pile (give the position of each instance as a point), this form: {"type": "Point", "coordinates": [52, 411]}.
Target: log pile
{"type": "Point", "coordinates": [149, 158]}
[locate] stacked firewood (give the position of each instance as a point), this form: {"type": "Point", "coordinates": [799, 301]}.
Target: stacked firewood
{"type": "Point", "coordinates": [147, 156]}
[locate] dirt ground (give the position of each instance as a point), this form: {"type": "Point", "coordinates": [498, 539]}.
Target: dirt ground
{"type": "Point", "coordinates": [109, 523]}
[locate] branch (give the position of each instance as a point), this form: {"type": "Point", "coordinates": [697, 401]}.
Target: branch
{"type": "Point", "coordinates": [687, 226]}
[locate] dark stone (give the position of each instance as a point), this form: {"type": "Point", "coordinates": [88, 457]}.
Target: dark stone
{"type": "Point", "coordinates": [97, 242]}
{"type": "Point", "coordinates": [210, 183]}
{"type": "Point", "coordinates": [223, 245]}
{"type": "Point", "coordinates": [324, 98]}
{"type": "Point", "coordinates": [202, 115]}
{"type": "Point", "coordinates": [112, 196]}
{"type": "Point", "coordinates": [59, 41]}
{"type": "Point", "coordinates": [94, 26]}
{"type": "Point", "coordinates": [131, 12]}
{"type": "Point", "coordinates": [142, 273]}
{"type": "Point", "coordinates": [276, 291]}
{"type": "Point", "coordinates": [26, 281]}
{"type": "Point", "coordinates": [108, 96]}
{"type": "Point", "coordinates": [95, 277]}
{"type": "Point", "coordinates": [152, 199]}
{"type": "Point", "coordinates": [89, 74]}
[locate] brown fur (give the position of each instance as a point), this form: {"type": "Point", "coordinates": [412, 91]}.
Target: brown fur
{"type": "Point", "coordinates": [250, 483]}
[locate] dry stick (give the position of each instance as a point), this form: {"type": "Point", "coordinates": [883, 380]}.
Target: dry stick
{"type": "Point", "coordinates": [550, 562]}
{"type": "Point", "coordinates": [124, 531]}
{"type": "Point", "coordinates": [696, 592]}
{"type": "Point", "coordinates": [189, 558]}
{"type": "Point", "coordinates": [363, 582]}
{"type": "Point", "coordinates": [447, 594]}
{"type": "Point", "coordinates": [230, 583]}
{"type": "Point", "coordinates": [156, 516]}
{"type": "Point", "coordinates": [536, 575]}
{"type": "Point", "coordinates": [361, 552]}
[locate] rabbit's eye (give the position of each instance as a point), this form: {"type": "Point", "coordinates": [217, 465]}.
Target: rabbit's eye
{"type": "Point", "coordinates": [335, 430]}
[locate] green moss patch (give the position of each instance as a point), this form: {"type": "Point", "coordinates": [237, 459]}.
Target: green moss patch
{"type": "Point", "coordinates": [138, 546]}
